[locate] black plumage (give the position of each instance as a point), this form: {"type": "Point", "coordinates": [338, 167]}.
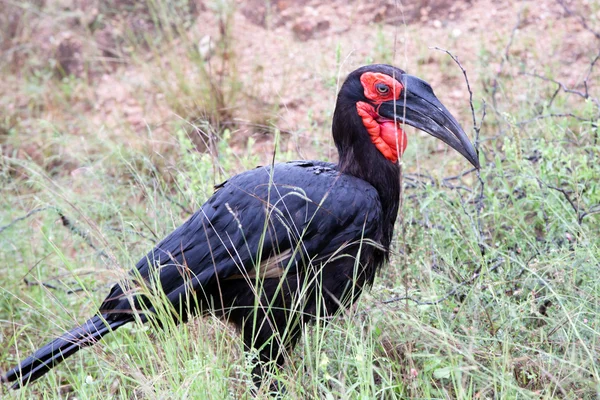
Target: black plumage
{"type": "Point", "coordinates": [274, 247]}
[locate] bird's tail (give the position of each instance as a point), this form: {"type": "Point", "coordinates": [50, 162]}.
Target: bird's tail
{"type": "Point", "coordinates": [55, 352]}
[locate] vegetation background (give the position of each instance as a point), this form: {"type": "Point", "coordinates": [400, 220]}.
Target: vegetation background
{"type": "Point", "coordinates": [117, 117]}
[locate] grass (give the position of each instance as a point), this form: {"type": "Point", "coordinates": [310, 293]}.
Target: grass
{"type": "Point", "coordinates": [492, 291]}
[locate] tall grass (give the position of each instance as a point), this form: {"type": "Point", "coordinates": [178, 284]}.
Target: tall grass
{"type": "Point", "coordinates": [492, 291]}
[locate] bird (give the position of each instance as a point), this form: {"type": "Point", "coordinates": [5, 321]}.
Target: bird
{"type": "Point", "coordinates": [280, 245]}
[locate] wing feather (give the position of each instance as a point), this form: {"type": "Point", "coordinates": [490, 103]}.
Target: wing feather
{"type": "Point", "coordinates": [266, 218]}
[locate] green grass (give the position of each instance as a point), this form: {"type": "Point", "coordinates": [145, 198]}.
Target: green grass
{"type": "Point", "coordinates": [492, 291]}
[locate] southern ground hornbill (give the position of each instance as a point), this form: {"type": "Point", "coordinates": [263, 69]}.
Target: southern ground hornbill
{"type": "Point", "coordinates": [277, 246]}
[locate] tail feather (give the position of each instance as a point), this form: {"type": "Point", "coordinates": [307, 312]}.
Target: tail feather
{"type": "Point", "coordinates": [55, 352]}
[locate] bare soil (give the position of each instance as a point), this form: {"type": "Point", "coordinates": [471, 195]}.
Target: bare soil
{"type": "Point", "coordinates": [290, 56]}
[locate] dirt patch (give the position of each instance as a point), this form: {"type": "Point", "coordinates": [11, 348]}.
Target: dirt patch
{"type": "Point", "coordinates": [289, 57]}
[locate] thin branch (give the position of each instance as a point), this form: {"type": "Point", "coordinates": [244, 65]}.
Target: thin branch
{"type": "Point", "coordinates": [554, 115]}
{"type": "Point", "coordinates": [589, 73]}
{"type": "Point", "coordinates": [79, 232]}
{"type": "Point", "coordinates": [66, 222]}
{"type": "Point", "coordinates": [51, 286]}
{"type": "Point", "coordinates": [480, 198]}
{"type": "Point", "coordinates": [585, 95]}
{"type": "Point", "coordinates": [582, 20]}
{"type": "Point", "coordinates": [455, 59]}
{"type": "Point", "coordinates": [183, 208]}
{"type": "Point", "coordinates": [581, 214]}
{"type": "Point", "coordinates": [456, 187]}
{"type": "Point", "coordinates": [132, 231]}
{"type": "Point", "coordinates": [45, 284]}
{"type": "Point", "coordinates": [24, 217]}
{"type": "Point", "coordinates": [452, 292]}
{"type": "Point", "coordinates": [503, 61]}
{"type": "Point", "coordinates": [566, 195]}
{"type": "Point", "coordinates": [459, 176]}
{"type": "Point", "coordinates": [593, 210]}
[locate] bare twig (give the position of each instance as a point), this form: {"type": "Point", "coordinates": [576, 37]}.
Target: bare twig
{"type": "Point", "coordinates": [455, 59]}
{"type": "Point", "coordinates": [585, 95]}
{"type": "Point", "coordinates": [132, 231]}
{"type": "Point", "coordinates": [589, 73]}
{"type": "Point", "coordinates": [79, 232]}
{"type": "Point", "coordinates": [554, 115]}
{"type": "Point", "coordinates": [459, 176]}
{"type": "Point", "coordinates": [456, 187]}
{"type": "Point", "coordinates": [591, 211]}
{"type": "Point", "coordinates": [452, 292]}
{"type": "Point", "coordinates": [29, 282]}
{"type": "Point", "coordinates": [582, 20]}
{"type": "Point", "coordinates": [66, 222]}
{"type": "Point", "coordinates": [418, 180]}
{"type": "Point", "coordinates": [566, 195]}
{"type": "Point", "coordinates": [503, 61]}
{"type": "Point", "coordinates": [429, 225]}
{"type": "Point", "coordinates": [183, 207]}
{"type": "Point", "coordinates": [581, 214]}
{"type": "Point", "coordinates": [477, 129]}
{"type": "Point", "coordinates": [51, 286]}
{"type": "Point", "coordinates": [24, 217]}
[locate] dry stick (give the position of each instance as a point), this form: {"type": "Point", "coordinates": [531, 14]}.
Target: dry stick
{"type": "Point", "coordinates": [76, 230]}
{"type": "Point", "coordinates": [66, 222]}
{"type": "Point", "coordinates": [582, 20]}
{"type": "Point", "coordinates": [581, 214]}
{"type": "Point", "coordinates": [504, 59]}
{"type": "Point", "coordinates": [46, 284]}
{"type": "Point", "coordinates": [477, 128]}
{"type": "Point", "coordinates": [554, 115]}
{"type": "Point", "coordinates": [587, 76]}
{"type": "Point", "coordinates": [183, 207]}
{"type": "Point", "coordinates": [467, 82]}
{"type": "Point", "coordinates": [591, 211]}
{"type": "Point", "coordinates": [51, 286]}
{"type": "Point", "coordinates": [24, 217]}
{"type": "Point", "coordinates": [564, 88]}
{"type": "Point", "coordinates": [452, 292]}
{"type": "Point", "coordinates": [479, 201]}
{"type": "Point", "coordinates": [595, 209]}
{"type": "Point", "coordinates": [552, 98]}
{"type": "Point", "coordinates": [143, 222]}
{"type": "Point", "coordinates": [459, 176]}
{"type": "Point", "coordinates": [133, 232]}
{"type": "Point", "coordinates": [584, 94]}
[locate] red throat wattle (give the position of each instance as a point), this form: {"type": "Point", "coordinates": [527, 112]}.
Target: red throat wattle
{"type": "Point", "coordinates": [387, 135]}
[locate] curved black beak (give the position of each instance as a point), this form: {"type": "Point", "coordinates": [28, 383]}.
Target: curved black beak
{"type": "Point", "coordinates": [418, 107]}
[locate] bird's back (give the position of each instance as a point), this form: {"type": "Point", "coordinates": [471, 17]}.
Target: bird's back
{"type": "Point", "coordinates": [270, 222]}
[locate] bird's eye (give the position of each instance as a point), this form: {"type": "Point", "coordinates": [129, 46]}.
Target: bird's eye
{"type": "Point", "coordinates": [382, 88]}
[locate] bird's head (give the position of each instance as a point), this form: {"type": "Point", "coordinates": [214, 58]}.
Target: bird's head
{"type": "Point", "coordinates": [381, 98]}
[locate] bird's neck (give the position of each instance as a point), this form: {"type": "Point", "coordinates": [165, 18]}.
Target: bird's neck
{"type": "Point", "coordinates": [360, 158]}
{"type": "Point", "coordinates": [385, 178]}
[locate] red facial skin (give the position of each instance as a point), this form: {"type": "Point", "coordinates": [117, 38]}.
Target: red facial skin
{"type": "Point", "coordinates": [386, 134]}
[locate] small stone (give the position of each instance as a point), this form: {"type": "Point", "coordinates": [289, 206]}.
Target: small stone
{"type": "Point", "coordinates": [305, 29]}
{"type": "Point", "coordinates": [206, 47]}
{"type": "Point", "coordinates": [69, 56]}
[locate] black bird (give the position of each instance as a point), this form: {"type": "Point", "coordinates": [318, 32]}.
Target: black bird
{"type": "Point", "coordinates": [277, 246]}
